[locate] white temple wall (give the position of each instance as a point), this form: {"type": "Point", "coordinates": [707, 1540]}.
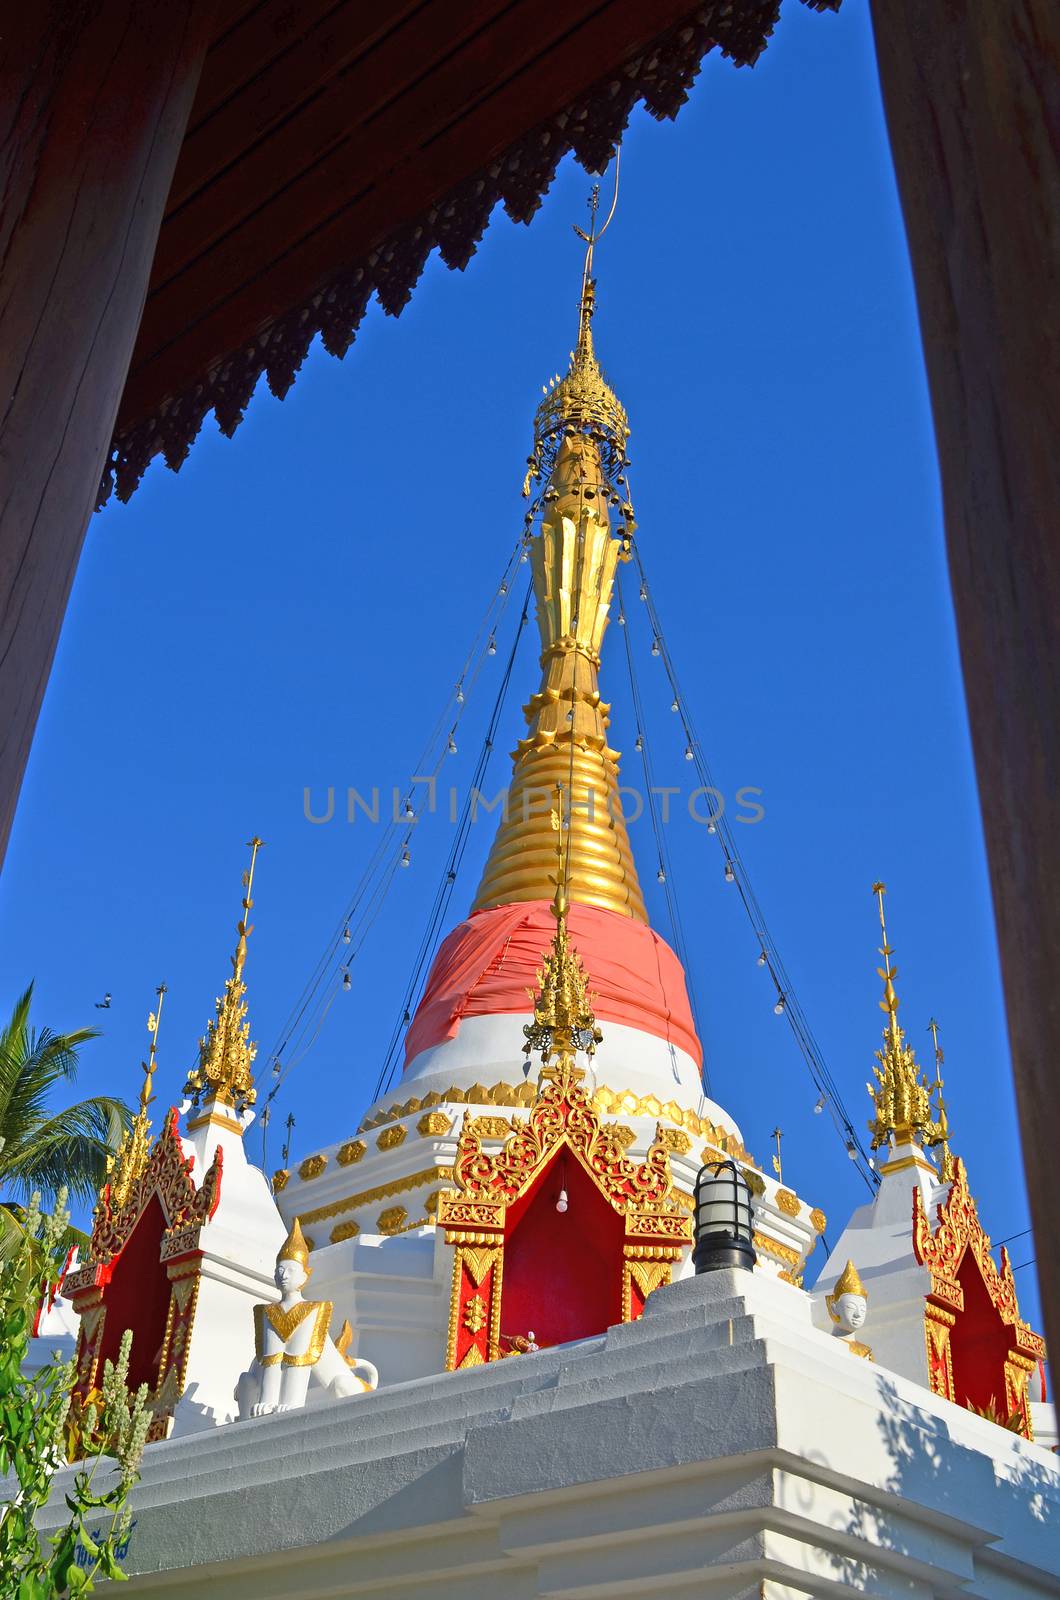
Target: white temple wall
{"type": "Point", "coordinates": [721, 1447]}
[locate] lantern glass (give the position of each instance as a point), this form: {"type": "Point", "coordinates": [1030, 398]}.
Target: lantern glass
{"type": "Point", "coordinates": [724, 1218]}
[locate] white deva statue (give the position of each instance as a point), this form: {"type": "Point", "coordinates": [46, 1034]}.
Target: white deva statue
{"type": "Point", "coordinates": [292, 1344]}
{"type": "Point", "coordinates": [848, 1307]}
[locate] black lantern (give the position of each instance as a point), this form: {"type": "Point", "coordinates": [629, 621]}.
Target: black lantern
{"type": "Point", "coordinates": [724, 1221]}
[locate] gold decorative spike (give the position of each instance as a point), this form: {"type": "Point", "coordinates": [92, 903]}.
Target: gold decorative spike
{"type": "Point", "coordinates": [941, 1136]}
{"type": "Point", "coordinates": [900, 1093]}
{"type": "Point", "coordinates": [226, 1053]}
{"type": "Point", "coordinates": [580, 435]}
{"type": "Point", "coordinates": [126, 1167]}
{"type": "Point", "coordinates": [563, 1019]}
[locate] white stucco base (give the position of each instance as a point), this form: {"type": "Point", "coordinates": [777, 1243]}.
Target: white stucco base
{"type": "Point", "coordinates": [721, 1446]}
{"type": "Point", "coordinates": [239, 1246]}
{"type": "Point", "coordinates": [485, 1049]}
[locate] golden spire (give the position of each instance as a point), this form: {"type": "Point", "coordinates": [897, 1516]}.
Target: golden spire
{"type": "Point", "coordinates": [583, 400]}
{"type": "Point", "coordinates": [226, 1053]}
{"type": "Point", "coordinates": [580, 434]}
{"type": "Point", "coordinates": [126, 1167]}
{"type": "Point", "coordinates": [942, 1122]}
{"type": "Point", "coordinates": [900, 1094]}
{"type": "Point", "coordinates": [563, 1019]}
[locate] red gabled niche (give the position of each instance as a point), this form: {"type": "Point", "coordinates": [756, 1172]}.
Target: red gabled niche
{"type": "Point", "coordinates": [562, 1270]}
{"type": "Point", "coordinates": [136, 1296]}
{"type": "Point", "coordinates": [979, 1343]}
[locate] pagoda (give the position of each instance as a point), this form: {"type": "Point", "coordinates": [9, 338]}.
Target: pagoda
{"type": "Point", "coordinates": [522, 1381]}
{"type": "Point", "coordinates": [373, 1202]}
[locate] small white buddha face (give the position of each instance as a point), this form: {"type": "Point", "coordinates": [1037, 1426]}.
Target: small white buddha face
{"type": "Point", "coordinates": [851, 1311]}
{"type": "Point", "coordinates": [290, 1276]}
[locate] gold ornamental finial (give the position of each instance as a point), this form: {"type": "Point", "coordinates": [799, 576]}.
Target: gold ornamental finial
{"type": "Point", "coordinates": [900, 1093]}
{"type": "Point", "coordinates": [563, 1018]}
{"type": "Point", "coordinates": [226, 1052]}
{"type": "Point", "coordinates": [583, 400]}
{"type": "Point", "coordinates": [126, 1167]}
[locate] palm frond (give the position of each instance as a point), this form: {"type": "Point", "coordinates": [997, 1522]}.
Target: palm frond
{"type": "Point", "coordinates": [42, 1149]}
{"type": "Point", "coordinates": [69, 1148]}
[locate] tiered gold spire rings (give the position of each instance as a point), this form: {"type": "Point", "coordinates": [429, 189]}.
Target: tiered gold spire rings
{"type": "Point", "coordinates": [126, 1167]}
{"type": "Point", "coordinates": [900, 1094]}
{"type": "Point", "coordinates": [226, 1053]}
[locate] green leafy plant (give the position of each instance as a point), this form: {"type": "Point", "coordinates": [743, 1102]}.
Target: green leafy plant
{"type": "Point", "coordinates": [43, 1149]}
{"type": "Point", "coordinates": [34, 1423]}
{"type": "Point", "coordinates": [993, 1412]}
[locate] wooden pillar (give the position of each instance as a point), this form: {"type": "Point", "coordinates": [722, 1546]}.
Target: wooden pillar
{"type": "Point", "coordinates": [94, 100]}
{"type": "Point", "coordinates": [971, 90]}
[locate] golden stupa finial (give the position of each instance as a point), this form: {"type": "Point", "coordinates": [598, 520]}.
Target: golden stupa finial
{"type": "Point", "coordinates": [580, 435]}
{"type": "Point", "coordinates": [583, 400]}
{"type": "Point", "coordinates": [563, 1018]}
{"type": "Point", "coordinates": [226, 1052]}
{"type": "Point", "coordinates": [126, 1167]}
{"type": "Point", "coordinates": [900, 1093]}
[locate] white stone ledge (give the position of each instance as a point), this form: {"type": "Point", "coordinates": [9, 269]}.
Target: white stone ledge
{"type": "Point", "coordinates": [718, 1445]}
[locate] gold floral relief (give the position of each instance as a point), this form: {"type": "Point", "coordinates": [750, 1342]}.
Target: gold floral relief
{"type": "Point", "coordinates": [475, 1314]}
{"type": "Point", "coordinates": [489, 1127]}
{"type": "Point", "coordinates": [345, 1230]}
{"type": "Point", "coordinates": [433, 1124]}
{"type": "Point", "coordinates": [351, 1151]}
{"type": "Point", "coordinates": [312, 1167]}
{"type": "Point", "coordinates": [606, 1101]}
{"type": "Point", "coordinates": [391, 1220]}
{"type": "Point", "coordinates": [676, 1140]}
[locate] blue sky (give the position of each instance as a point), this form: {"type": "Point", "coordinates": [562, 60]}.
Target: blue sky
{"type": "Point", "coordinates": [293, 608]}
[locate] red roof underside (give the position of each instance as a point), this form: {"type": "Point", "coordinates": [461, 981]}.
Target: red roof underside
{"type": "Point", "coordinates": [488, 966]}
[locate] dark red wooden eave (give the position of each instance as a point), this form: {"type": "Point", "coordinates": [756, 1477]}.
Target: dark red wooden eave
{"type": "Point", "coordinates": [332, 146]}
